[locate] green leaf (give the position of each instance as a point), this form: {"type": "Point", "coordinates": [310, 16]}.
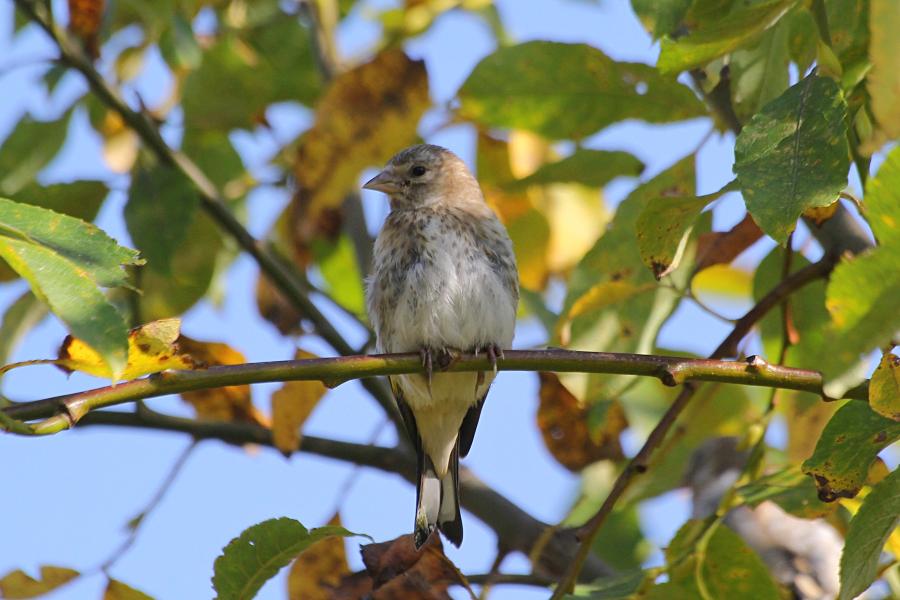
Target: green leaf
{"type": "Point", "coordinates": [802, 38]}
{"type": "Point", "coordinates": [178, 45]}
{"type": "Point", "coordinates": [882, 205]}
{"type": "Point", "coordinates": [193, 268]}
{"type": "Point", "coordinates": [269, 63]}
{"type": "Point", "coordinates": [614, 587]}
{"type": "Point", "coordinates": [720, 36]}
{"type": "Point", "coordinates": [863, 298]}
{"type": "Point", "coordinates": [594, 168]}
{"type": "Point", "coordinates": [847, 447]}
{"type": "Point", "coordinates": [639, 306]}
{"type": "Point", "coordinates": [569, 91]}
{"type": "Point", "coordinates": [759, 73]}
{"type": "Point", "coordinates": [28, 149]}
{"type": "Point", "coordinates": [116, 590]}
{"type": "Point", "coordinates": [250, 560]}
{"type": "Point", "coordinates": [161, 207]}
{"type": "Point", "coordinates": [790, 489]}
{"type": "Point", "coordinates": [863, 295]}
{"type": "Point", "coordinates": [848, 23]}
{"type": "Point", "coordinates": [18, 584]}
{"type": "Point", "coordinates": [71, 238]}
{"type": "Point", "coordinates": [80, 199]}
{"type": "Point", "coordinates": [793, 155]}
{"type": "Point", "coordinates": [615, 256]}
{"type": "Point", "coordinates": [664, 226]}
{"type": "Point", "coordinates": [337, 263]}
{"type": "Point", "coordinates": [884, 387]}
{"type": "Point", "coordinates": [808, 313]}
{"type": "Point", "coordinates": [66, 261]}
{"type": "Point", "coordinates": [215, 156]}
{"type": "Point", "coordinates": [869, 529]}
{"type": "Point", "coordinates": [721, 564]}
{"type": "Point", "coordinates": [73, 296]}
{"type": "Point", "coordinates": [20, 318]}
{"type": "Point", "coordinates": [660, 17]}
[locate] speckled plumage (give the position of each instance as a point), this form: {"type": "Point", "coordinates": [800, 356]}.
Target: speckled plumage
{"type": "Point", "coordinates": [444, 277]}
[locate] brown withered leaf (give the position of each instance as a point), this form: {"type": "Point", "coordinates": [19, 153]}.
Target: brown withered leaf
{"type": "Point", "coordinates": [563, 422]}
{"type": "Point", "coordinates": [367, 114]}
{"type": "Point", "coordinates": [231, 403]}
{"type": "Point", "coordinates": [276, 309]}
{"type": "Point", "coordinates": [722, 247]}
{"type": "Point", "coordinates": [395, 570]}
{"type": "Point", "coordinates": [319, 569]}
{"type": "Point", "coordinates": [291, 406]}
{"type": "Point", "coordinates": [85, 18]}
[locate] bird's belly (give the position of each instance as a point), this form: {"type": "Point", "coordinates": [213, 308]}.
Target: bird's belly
{"type": "Point", "coordinates": [452, 303]}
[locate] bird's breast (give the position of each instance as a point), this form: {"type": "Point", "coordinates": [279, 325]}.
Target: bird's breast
{"type": "Point", "coordinates": [435, 286]}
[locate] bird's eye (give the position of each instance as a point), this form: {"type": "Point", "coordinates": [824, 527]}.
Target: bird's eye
{"type": "Point", "coordinates": [417, 171]}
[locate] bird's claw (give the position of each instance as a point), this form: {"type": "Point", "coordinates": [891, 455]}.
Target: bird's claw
{"type": "Point", "coordinates": [494, 353]}
{"type": "Point", "coordinates": [441, 358]}
{"type": "Point", "coordinates": [425, 354]}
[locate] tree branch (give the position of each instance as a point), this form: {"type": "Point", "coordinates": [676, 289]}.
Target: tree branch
{"type": "Point", "coordinates": [62, 412]}
{"type": "Point", "coordinates": [637, 465]}
{"type": "Point", "coordinates": [518, 529]}
{"type": "Point", "coordinates": [283, 277]}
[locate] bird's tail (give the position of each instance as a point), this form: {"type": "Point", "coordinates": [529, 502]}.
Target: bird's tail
{"type": "Point", "coordinates": [437, 501]}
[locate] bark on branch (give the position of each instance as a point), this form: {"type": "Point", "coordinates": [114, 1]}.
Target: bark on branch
{"type": "Point", "coordinates": [62, 412]}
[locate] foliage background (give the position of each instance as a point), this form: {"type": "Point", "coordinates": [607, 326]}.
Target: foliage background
{"type": "Point", "coordinates": [75, 492]}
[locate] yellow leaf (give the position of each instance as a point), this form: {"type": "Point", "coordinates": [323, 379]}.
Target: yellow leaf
{"type": "Point", "coordinates": [605, 294]}
{"type": "Point", "coordinates": [884, 388]}
{"type": "Point", "coordinates": [820, 214]}
{"type": "Point", "coordinates": [577, 217]}
{"type": "Point", "coordinates": [151, 349]}
{"type": "Point", "coordinates": [291, 406]}
{"type": "Point", "coordinates": [723, 280]}
{"type": "Point", "coordinates": [527, 152]}
{"type": "Point", "coordinates": [19, 584]}
{"type": "Point", "coordinates": [366, 115]}
{"type": "Point", "coordinates": [116, 590]}
{"type": "Point", "coordinates": [319, 569]}
{"type": "Point", "coordinates": [231, 403]}
{"type": "Point", "coordinates": [120, 143]}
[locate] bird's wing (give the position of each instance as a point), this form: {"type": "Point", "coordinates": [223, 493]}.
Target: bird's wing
{"type": "Point", "coordinates": [469, 424]}
{"type": "Point", "coordinates": [409, 419]}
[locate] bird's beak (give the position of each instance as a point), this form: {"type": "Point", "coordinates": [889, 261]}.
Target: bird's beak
{"type": "Point", "coordinates": [383, 182]}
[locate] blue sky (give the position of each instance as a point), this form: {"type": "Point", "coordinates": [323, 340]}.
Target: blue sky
{"type": "Point", "coordinates": [67, 497]}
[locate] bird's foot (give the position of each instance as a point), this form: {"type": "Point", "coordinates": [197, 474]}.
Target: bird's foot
{"type": "Point", "coordinates": [494, 353]}
{"type": "Point", "coordinates": [432, 357]}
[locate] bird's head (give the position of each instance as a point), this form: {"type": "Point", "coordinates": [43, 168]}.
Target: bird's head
{"type": "Point", "coordinates": [425, 175]}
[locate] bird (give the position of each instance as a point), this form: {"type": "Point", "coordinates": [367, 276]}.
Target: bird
{"type": "Point", "coordinates": [803, 554]}
{"type": "Point", "coordinates": [443, 278]}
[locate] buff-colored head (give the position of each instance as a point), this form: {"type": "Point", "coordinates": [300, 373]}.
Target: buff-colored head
{"type": "Point", "coordinates": [426, 175]}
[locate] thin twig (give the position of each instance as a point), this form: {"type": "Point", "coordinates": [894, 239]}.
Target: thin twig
{"type": "Point", "coordinates": [588, 532]}
{"type": "Point", "coordinates": [487, 579]}
{"type": "Point", "coordinates": [135, 523]}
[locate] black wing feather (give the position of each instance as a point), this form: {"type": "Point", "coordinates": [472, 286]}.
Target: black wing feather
{"type": "Point", "coordinates": [468, 427]}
